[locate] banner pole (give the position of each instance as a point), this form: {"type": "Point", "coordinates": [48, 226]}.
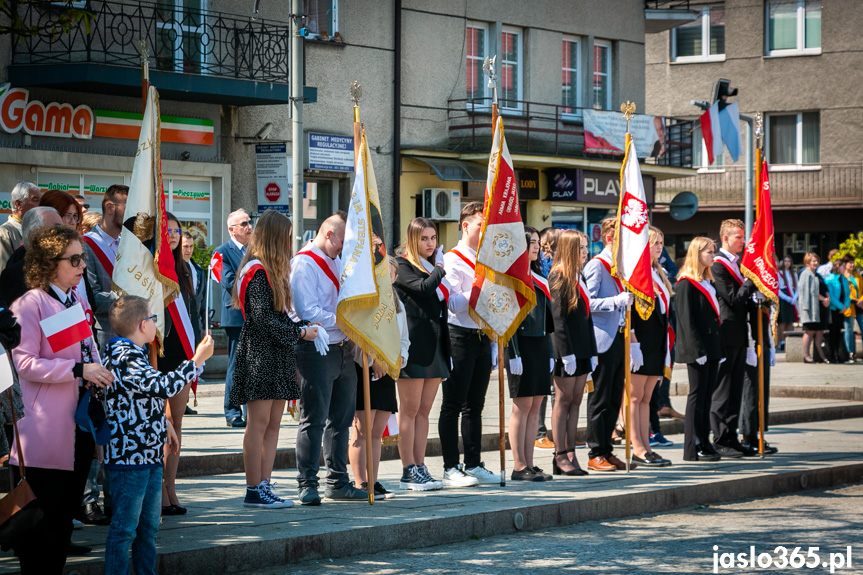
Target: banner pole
{"type": "Point", "coordinates": [367, 401]}
{"type": "Point", "coordinates": [209, 280]}
{"type": "Point", "coordinates": [760, 381]}
{"type": "Point", "coordinates": [502, 443]}
{"type": "Point", "coordinates": [627, 387]}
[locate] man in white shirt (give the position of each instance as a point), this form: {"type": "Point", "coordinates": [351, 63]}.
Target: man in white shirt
{"type": "Point", "coordinates": [465, 389]}
{"type": "Point", "coordinates": [825, 269]}
{"type": "Point", "coordinates": [328, 383]}
{"type": "Point", "coordinates": [24, 196]}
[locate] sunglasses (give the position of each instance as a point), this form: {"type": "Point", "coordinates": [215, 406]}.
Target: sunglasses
{"type": "Point", "coordinates": [146, 319]}
{"type": "Point", "coordinates": [75, 260]}
{"type": "Point", "coordinates": [243, 224]}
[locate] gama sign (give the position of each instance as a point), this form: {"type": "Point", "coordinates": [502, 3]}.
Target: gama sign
{"type": "Point", "coordinates": [18, 112]}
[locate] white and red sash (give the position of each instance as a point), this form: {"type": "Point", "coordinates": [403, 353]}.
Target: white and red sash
{"type": "Point", "coordinates": [731, 267]}
{"type": "Point", "coordinates": [786, 275]}
{"type": "Point", "coordinates": [664, 297]}
{"type": "Point", "coordinates": [607, 264]}
{"type": "Point", "coordinates": [708, 292]}
{"type": "Point", "coordinates": [96, 244]}
{"type": "Point", "coordinates": [542, 284]}
{"type": "Point", "coordinates": [582, 290]}
{"type": "Point", "coordinates": [444, 288]}
{"type": "Point", "coordinates": [245, 276]}
{"type": "Point", "coordinates": [662, 291]}
{"type": "Point", "coordinates": [464, 257]}
{"type": "Point", "coordinates": [323, 265]}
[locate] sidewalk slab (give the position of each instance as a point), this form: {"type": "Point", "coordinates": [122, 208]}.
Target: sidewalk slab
{"type": "Point", "coordinates": [220, 536]}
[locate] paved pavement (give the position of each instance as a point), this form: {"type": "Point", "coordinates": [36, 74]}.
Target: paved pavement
{"type": "Point", "coordinates": [677, 542]}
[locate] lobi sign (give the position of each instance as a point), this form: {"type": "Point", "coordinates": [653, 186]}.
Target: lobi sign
{"type": "Point", "coordinates": [18, 112]}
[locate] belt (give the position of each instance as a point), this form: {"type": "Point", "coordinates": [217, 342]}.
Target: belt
{"type": "Point", "coordinates": [621, 329]}
{"type": "Point", "coordinates": [471, 330]}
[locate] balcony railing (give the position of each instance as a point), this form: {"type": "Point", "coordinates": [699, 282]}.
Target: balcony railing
{"type": "Point", "coordinates": [548, 129]}
{"type": "Point", "coordinates": [807, 186]}
{"type": "Point", "coordinates": [197, 42]}
{"type": "Point", "coordinates": [666, 4]}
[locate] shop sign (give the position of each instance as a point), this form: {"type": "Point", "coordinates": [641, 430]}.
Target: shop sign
{"type": "Point", "coordinates": [563, 184]}
{"type": "Point", "coordinates": [127, 125]}
{"type": "Point", "coordinates": [528, 184]}
{"type": "Point", "coordinates": [57, 120]}
{"type": "Point", "coordinates": [604, 187]}
{"type": "Point", "coordinates": [331, 153]}
{"type": "Point", "coordinates": [274, 174]}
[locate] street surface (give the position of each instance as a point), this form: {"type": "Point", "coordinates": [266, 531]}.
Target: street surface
{"type": "Point", "coordinates": [680, 542]}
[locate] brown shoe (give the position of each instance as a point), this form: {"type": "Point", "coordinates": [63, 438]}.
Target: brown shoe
{"type": "Point", "coordinates": [544, 443]}
{"type": "Point", "coordinates": [601, 464]}
{"type": "Point", "coordinates": [669, 413]}
{"type": "Point", "coordinates": [620, 465]}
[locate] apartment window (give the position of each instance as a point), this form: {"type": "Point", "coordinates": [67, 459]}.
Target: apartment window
{"type": "Point", "coordinates": [602, 75]}
{"type": "Point", "coordinates": [571, 89]}
{"type": "Point", "coordinates": [701, 40]}
{"type": "Point", "coordinates": [321, 16]}
{"type": "Point", "coordinates": [699, 153]}
{"type": "Point", "coordinates": [180, 43]}
{"type": "Point", "coordinates": [508, 66]}
{"type": "Point", "coordinates": [794, 138]}
{"type": "Point", "coordinates": [793, 27]}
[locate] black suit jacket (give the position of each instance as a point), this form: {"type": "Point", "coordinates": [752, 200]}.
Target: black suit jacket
{"type": "Point", "coordinates": [573, 334]}
{"type": "Point", "coordinates": [12, 284]}
{"type": "Point", "coordinates": [426, 314]}
{"type": "Point", "coordinates": [733, 299]}
{"type": "Point", "coordinates": [697, 325]}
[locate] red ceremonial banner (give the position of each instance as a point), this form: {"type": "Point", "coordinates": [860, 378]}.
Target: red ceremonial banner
{"type": "Point", "coordinates": [759, 258]}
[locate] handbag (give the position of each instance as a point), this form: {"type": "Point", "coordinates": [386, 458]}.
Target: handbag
{"type": "Point", "coordinates": [20, 512]}
{"type": "Point", "coordinates": [90, 417]}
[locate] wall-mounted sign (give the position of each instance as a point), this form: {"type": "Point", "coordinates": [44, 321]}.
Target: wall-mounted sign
{"type": "Point", "coordinates": [331, 153]}
{"type": "Point", "coordinates": [58, 120]}
{"type": "Point", "coordinates": [563, 184]}
{"type": "Point", "coordinates": [604, 187]}
{"type": "Point", "coordinates": [528, 184]}
{"type": "Point", "coordinates": [274, 174]}
{"type": "Point", "coordinates": [605, 133]}
{"type": "Point", "coordinates": [127, 125]}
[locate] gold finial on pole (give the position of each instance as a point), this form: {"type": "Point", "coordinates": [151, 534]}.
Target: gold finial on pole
{"type": "Point", "coordinates": [759, 130]}
{"type": "Point", "coordinates": [356, 95]}
{"type": "Point", "coordinates": [628, 109]}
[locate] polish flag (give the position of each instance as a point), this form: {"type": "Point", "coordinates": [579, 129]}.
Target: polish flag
{"type": "Point", "coordinates": [216, 267]}
{"type": "Point", "coordinates": [66, 328]}
{"type": "Point", "coordinates": [711, 132]}
{"type": "Point", "coordinates": [6, 376]}
{"type": "Point", "coordinates": [392, 427]}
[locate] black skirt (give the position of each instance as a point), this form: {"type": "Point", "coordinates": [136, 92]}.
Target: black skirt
{"type": "Point", "coordinates": [535, 378]}
{"type": "Point", "coordinates": [382, 392]}
{"type": "Point", "coordinates": [582, 367]}
{"type": "Point", "coordinates": [652, 334]}
{"type": "Point", "coordinates": [438, 368]}
{"type": "Point", "coordinates": [787, 312]}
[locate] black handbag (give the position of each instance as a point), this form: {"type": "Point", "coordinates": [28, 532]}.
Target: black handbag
{"type": "Point", "coordinates": [20, 512]}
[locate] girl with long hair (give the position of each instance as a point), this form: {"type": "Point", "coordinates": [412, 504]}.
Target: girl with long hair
{"type": "Point", "coordinates": [788, 313]}
{"type": "Point", "coordinates": [574, 346]}
{"type": "Point", "coordinates": [698, 345]}
{"type": "Point", "coordinates": [420, 276]}
{"type": "Point", "coordinates": [265, 371]}
{"type": "Point", "coordinates": [548, 238]}
{"type": "Point", "coordinates": [530, 366]}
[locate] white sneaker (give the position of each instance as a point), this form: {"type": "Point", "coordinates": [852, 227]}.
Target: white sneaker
{"type": "Point", "coordinates": [482, 475]}
{"type": "Point", "coordinates": [455, 477]}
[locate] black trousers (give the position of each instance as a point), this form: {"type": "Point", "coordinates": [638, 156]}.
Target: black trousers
{"type": "Point", "coordinates": [603, 405]}
{"type": "Point", "coordinates": [835, 345]}
{"type": "Point", "coordinates": [749, 401]}
{"type": "Point", "coordinates": [725, 405]}
{"type": "Point", "coordinates": [696, 426]}
{"type": "Point", "coordinates": [58, 492]}
{"type": "Point", "coordinates": [464, 393]}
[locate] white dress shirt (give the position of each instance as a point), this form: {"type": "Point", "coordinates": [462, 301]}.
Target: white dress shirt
{"type": "Point", "coordinates": [194, 273]}
{"type": "Point", "coordinates": [314, 294]}
{"type": "Point", "coordinates": [109, 244]}
{"type": "Point", "coordinates": [460, 277]}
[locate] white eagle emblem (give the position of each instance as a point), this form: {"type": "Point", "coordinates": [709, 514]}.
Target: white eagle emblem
{"type": "Point", "coordinates": [634, 214]}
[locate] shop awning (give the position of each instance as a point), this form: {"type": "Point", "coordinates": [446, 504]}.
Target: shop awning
{"type": "Point", "coordinates": [455, 170]}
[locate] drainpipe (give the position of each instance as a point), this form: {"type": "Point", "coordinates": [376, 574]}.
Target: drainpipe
{"type": "Point", "coordinates": [297, 143]}
{"type": "Point", "coordinates": [397, 112]}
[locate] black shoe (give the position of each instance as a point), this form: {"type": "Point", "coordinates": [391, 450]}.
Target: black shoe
{"type": "Point", "coordinates": [526, 474]}
{"type": "Point", "coordinates": [92, 515]}
{"type": "Point", "coordinates": [237, 422]}
{"type": "Point", "coordinates": [174, 510]}
{"type": "Point", "coordinates": [746, 450]}
{"type": "Point", "coordinates": [768, 449]}
{"type": "Point", "coordinates": [726, 451]}
{"type": "Point", "coordinates": [656, 457]}
{"type": "Point", "coordinates": [706, 456]}
{"type": "Point", "coordinates": [75, 550]}
{"type": "Point", "coordinates": [190, 411]}
{"type": "Point", "coordinates": [647, 461]}
{"type": "Point", "coordinates": [541, 474]}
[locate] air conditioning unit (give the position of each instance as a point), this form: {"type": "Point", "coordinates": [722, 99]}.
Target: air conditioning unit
{"type": "Point", "coordinates": [441, 204]}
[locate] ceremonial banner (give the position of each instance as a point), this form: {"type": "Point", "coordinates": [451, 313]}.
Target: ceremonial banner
{"type": "Point", "coordinates": [759, 258]}
{"type": "Point", "coordinates": [711, 132]}
{"type": "Point", "coordinates": [631, 251]}
{"type": "Point", "coordinates": [502, 294]}
{"type": "Point", "coordinates": [366, 310]}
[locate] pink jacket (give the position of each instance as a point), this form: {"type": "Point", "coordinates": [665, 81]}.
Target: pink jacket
{"type": "Point", "coordinates": [49, 389]}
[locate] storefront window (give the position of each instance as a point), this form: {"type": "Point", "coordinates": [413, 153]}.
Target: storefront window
{"type": "Point", "coordinates": [594, 227]}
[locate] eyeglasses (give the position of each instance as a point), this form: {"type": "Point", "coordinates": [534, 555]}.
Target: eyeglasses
{"type": "Point", "coordinates": [75, 260]}
{"type": "Point", "coordinates": [71, 218]}
{"type": "Point", "coordinates": [177, 231]}
{"type": "Point", "coordinates": [242, 224]}
{"type": "Point", "coordinates": [146, 319]}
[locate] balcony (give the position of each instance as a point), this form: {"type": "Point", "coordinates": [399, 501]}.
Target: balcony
{"type": "Point", "coordinates": [827, 185]}
{"type": "Point", "coordinates": [549, 129]}
{"type": "Point", "coordinates": [661, 15]}
{"type": "Point", "coordinates": [196, 55]}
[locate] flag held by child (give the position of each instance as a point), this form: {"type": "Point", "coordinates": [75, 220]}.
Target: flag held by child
{"type": "Point", "coordinates": [759, 258]}
{"type": "Point", "coordinates": [502, 293]}
{"type": "Point", "coordinates": [366, 309]}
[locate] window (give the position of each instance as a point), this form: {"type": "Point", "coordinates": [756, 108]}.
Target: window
{"type": "Point", "coordinates": [321, 16]}
{"type": "Point", "coordinates": [180, 41]}
{"type": "Point", "coordinates": [794, 138]}
{"type": "Point", "coordinates": [571, 89]}
{"type": "Point", "coordinates": [508, 67]}
{"type": "Point", "coordinates": [701, 40]}
{"type": "Point", "coordinates": [793, 27]}
{"type": "Point", "coordinates": [699, 153]}
{"type": "Point", "coordinates": [602, 75]}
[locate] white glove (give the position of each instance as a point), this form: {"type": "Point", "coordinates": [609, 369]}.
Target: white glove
{"type": "Point", "coordinates": [322, 342]}
{"type": "Point", "coordinates": [405, 361]}
{"type": "Point", "coordinates": [550, 364]}
{"type": "Point", "coordinates": [624, 299]}
{"type": "Point", "coordinates": [515, 366]}
{"type": "Point", "coordinates": [569, 364]}
{"type": "Point", "coordinates": [751, 357]}
{"type": "Point", "coordinates": [438, 256]}
{"type": "Point", "coordinates": [636, 358]}
{"type": "Point", "coordinates": [594, 361]}
{"type": "Point", "coordinates": [772, 357]}
{"type": "Point", "coordinates": [701, 360]}
{"type": "Point", "coordinates": [721, 361]}
{"type": "Point", "coordinates": [493, 355]}
{"type": "Point", "coordinates": [758, 297]}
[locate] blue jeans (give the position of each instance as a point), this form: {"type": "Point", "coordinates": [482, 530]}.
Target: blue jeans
{"type": "Point", "coordinates": [849, 330]}
{"type": "Point", "coordinates": [137, 505]}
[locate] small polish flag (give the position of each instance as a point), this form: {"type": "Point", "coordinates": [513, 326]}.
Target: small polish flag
{"type": "Point", "coordinates": [216, 267]}
{"type": "Point", "coordinates": [66, 328]}
{"type": "Point", "coordinates": [711, 132]}
{"type": "Point", "coordinates": [392, 427]}
{"type": "Point", "coordinates": [6, 377]}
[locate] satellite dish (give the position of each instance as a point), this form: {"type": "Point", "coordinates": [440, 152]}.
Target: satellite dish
{"type": "Point", "coordinates": [683, 206]}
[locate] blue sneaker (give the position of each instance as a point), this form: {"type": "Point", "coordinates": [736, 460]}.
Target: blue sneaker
{"type": "Point", "coordinates": [657, 439]}
{"type": "Point", "coordinates": [259, 497]}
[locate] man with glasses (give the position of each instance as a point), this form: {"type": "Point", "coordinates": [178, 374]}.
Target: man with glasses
{"type": "Point", "coordinates": [232, 252]}
{"type": "Point", "coordinates": [25, 196]}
